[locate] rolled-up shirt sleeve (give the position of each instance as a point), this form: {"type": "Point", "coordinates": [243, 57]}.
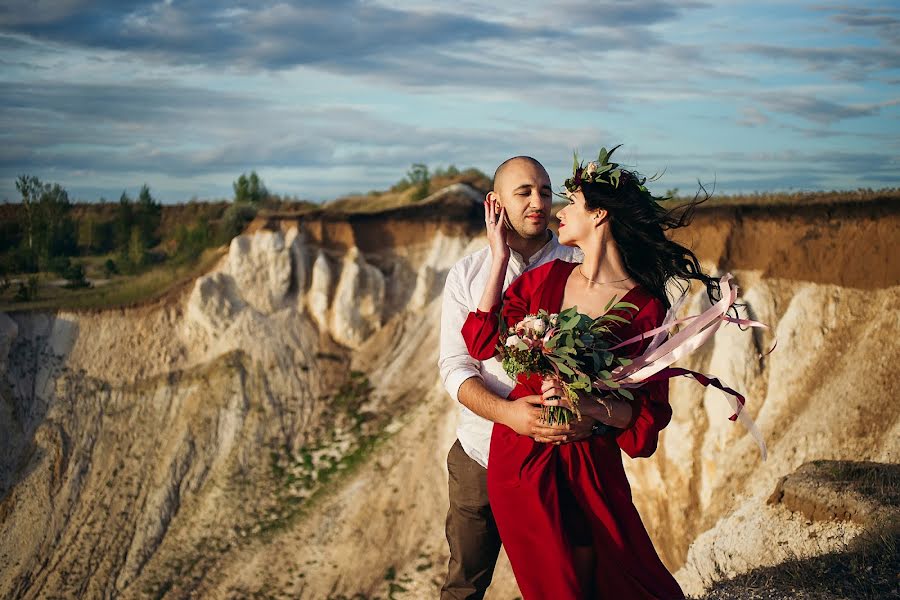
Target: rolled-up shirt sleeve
{"type": "Point", "coordinates": [455, 363]}
{"type": "Point", "coordinates": [481, 330]}
{"type": "Point", "coordinates": [651, 411]}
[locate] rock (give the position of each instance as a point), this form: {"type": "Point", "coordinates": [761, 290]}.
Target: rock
{"type": "Point", "coordinates": [214, 303]}
{"type": "Point", "coordinates": [320, 288]}
{"type": "Point", "coordinates": [358, 301]}
{"type": "Point", "coordinates": [261, 267]}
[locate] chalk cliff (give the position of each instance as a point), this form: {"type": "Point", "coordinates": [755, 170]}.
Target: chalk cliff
{"type": "Point", "coordinates": [279, 427]}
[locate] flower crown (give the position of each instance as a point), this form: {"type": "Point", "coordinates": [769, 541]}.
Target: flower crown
{"type": "Point", "coordinates": [603, 171]}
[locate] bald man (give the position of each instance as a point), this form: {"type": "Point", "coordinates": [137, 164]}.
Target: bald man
{"type": "Point", "coordinates": [522, 187]}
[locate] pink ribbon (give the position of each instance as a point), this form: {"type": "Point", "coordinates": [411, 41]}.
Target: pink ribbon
{"type": "Point", "coordinates": [653, 364]}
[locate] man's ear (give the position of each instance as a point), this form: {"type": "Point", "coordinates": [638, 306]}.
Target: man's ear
{"type": "Point", "coordinates": [494, 198]}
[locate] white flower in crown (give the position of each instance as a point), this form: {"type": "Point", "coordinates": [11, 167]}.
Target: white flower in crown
{"type": "Point", "coordinates": [512, 340]}
{"type": "Point", "coordinates": [591, 168]}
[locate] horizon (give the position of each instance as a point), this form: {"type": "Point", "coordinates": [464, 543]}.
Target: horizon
{"type": "Point", "coordinates": [770, 97]}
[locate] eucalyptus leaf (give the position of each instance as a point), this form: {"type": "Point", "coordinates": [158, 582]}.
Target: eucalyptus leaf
{"type": "Point", "coordinates": [617, 318]}
{"type": "Point", "coordinates": [610, 303]}
{"type": "Point", "coordinates": [625, 306]}
{"type": "Point", "coordinates": [564, 369]}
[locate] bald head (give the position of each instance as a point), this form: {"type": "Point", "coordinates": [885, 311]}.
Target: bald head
{"type": "Point", "coordinates": [504, 168]}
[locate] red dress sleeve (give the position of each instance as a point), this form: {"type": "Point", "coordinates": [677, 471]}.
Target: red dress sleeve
{"type": "Point", "coordinates": [481, 330]}
{"type": "Point", "coordinates": [651, 410]}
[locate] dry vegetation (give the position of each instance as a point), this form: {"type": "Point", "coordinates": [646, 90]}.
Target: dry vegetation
{"type": "Point", "coordinates": [799, 198]}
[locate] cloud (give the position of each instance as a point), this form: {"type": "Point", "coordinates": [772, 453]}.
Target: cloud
{"type": "Point", "coordinates": [864, 58]}
{"type": "Point", "coordinates": [884, 21]}
{"type": "Point", "coordinates": [753, 117]}
{"type": "Point", "coordinates": [813, 108]}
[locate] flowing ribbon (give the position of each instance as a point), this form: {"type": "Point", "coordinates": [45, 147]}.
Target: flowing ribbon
{"type": "Point", "coordinates": [654, 363]}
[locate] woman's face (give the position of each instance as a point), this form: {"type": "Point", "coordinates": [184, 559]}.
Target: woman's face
{"type": "Point", "coordinates": [576, 222]}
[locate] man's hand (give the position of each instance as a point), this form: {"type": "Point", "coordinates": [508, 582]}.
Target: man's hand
{"type": "Point", "coordinates": [524, 417]}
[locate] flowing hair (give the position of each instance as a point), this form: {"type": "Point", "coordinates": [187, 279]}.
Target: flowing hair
{"type": "Point", "coordinates": [638, 224]}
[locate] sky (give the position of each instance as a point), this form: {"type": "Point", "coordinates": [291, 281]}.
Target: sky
{"type": "Point", "coordinates": [324, 99]}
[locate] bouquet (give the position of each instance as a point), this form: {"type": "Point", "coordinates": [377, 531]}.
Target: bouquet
{"type": "Point", "coordinates": [570, 345]}
{"type": "Point", "coordinates": [579, 350]}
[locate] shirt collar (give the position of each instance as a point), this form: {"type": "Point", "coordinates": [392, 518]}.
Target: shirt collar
{"type": "Point", "coordinates": [551, 244]}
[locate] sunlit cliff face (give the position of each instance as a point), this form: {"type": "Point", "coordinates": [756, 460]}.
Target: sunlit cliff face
{"type": "Point", "coordinates": [280, 427]}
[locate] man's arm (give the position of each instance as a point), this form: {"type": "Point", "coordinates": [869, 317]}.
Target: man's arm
{"type": "Point", "coordinates": [522, 415]}
{"type": "Point", "coordinates": [461, 375]}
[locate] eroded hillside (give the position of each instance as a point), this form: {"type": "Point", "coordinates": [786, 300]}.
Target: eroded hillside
{"type": "Point", "coordinates": [278, 428]}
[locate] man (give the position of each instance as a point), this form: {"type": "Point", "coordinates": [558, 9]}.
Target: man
{"type": "Point", "coordinates": [522, 187]}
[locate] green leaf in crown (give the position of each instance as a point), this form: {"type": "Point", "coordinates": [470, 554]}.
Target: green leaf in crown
{"type": "Point", "coordinates": [604, 171]}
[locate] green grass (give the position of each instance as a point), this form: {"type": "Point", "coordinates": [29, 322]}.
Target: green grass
{"type": "Point", "coordinates": [121, 291]}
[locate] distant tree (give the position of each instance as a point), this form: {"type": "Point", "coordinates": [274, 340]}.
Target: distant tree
{"type": "Point", "coordinates": [234, 219]}
{"type": "Point", "coordinates": [137, 248]}
{"type": "Point", "coordinates": [123, 223]}
{"type": "Point", "coordinates": [419, 179]}
{"type": "Point", "coordinates": [27, 291]}
{"type": "Point", "coordinates": [148, 214]}
{"type": "Point", "coordinates": [48, 229]}
{"type": "Point", "coordinates": [75, 277]}
{"type": "Point", "coordinates": [450, 171]}
{"type": "Point", "coordinates": [193, 241]}
{"type": "Point", "coordinates": [249, 189]}
{"type": "Point", "coordinates": [110, 268]}
{"type": "Point", "coordinates": [30, 188]}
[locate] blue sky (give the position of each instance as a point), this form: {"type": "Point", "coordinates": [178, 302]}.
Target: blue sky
{"type": "Point", "coordinates": [328, 98]}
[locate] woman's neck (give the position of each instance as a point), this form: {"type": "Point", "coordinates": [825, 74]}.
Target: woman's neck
{"type": "Point", "coordinates": [603, 262]}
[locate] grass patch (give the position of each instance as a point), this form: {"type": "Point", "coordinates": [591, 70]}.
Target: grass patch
{"type": "Point", "coordinates": [300, 480]}
{"type": "Point", "coordinates": [121, 291]}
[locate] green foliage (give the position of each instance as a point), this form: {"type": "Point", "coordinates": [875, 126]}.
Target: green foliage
{"type": "Point", "coordinates": [48, 231]}
{"type": "Point", "coordinates": [420, 180]}
{"type": "Point", "coordinates": [110, 268]}
{"type": "Point", "coordinates": [249, 189]}
{"type": "Point", "coordinates": [76, 277]}
{"type": "Point", "coordinates": [192, 241]}
{"type": "Point", "coordinates": [72, 272]}
{"type": "Point", "coordinates": [10, 234]}
{"type": "Point", "coordinates": [135, 228]}
{"type": "Point", "coordinates": [137, 248]}
{"type": "Point", "coordinates": [27, 291]}
{"type": "Point", "coordinates": [450, 171]}
{"type": "Point", "coordinates": [124, 221]}
{"type": "Point", "coordinates": [569, 344]}
{"type": "Point", "coordinates": [148, 213]}
{"type": "Point", "coordinates": [235, 219]}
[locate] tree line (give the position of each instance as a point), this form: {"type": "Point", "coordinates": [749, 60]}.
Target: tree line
{"type": "Point", "coordinates": [45, 235]}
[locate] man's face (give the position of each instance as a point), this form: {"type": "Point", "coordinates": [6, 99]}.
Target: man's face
{"type": "Point", "coordinates": [523, 188]}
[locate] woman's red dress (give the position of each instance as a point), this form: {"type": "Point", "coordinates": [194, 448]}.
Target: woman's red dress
{"type": "Point", "coordinates": [547, 499]}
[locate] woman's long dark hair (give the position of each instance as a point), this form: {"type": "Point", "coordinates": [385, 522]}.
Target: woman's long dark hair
{"type": "Point", "coordinates": [638, 225]}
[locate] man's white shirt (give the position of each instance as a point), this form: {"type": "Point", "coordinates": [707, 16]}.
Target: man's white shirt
{"type": "Point", "coordinates": [462, 292]}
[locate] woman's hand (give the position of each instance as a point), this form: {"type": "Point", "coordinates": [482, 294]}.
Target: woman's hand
{"type": "Point", "coordinates": [554, 393]}
{"type": "Point", "coordinates": [495, 226]}
{"type": "Point", "coordinates": [496, 234]}
{"type": "Point", "coordinates": [605, 409]}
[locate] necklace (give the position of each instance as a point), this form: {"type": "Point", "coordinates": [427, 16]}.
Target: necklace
{"type": "Point", "coordinates": [580, 272]}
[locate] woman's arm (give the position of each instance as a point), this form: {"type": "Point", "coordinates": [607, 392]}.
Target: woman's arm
{"type": "Point", "coordinates": [496, 234]}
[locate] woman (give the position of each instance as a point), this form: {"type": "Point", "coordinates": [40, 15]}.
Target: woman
{"type": "Point", "coordinates": [564, 512]}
